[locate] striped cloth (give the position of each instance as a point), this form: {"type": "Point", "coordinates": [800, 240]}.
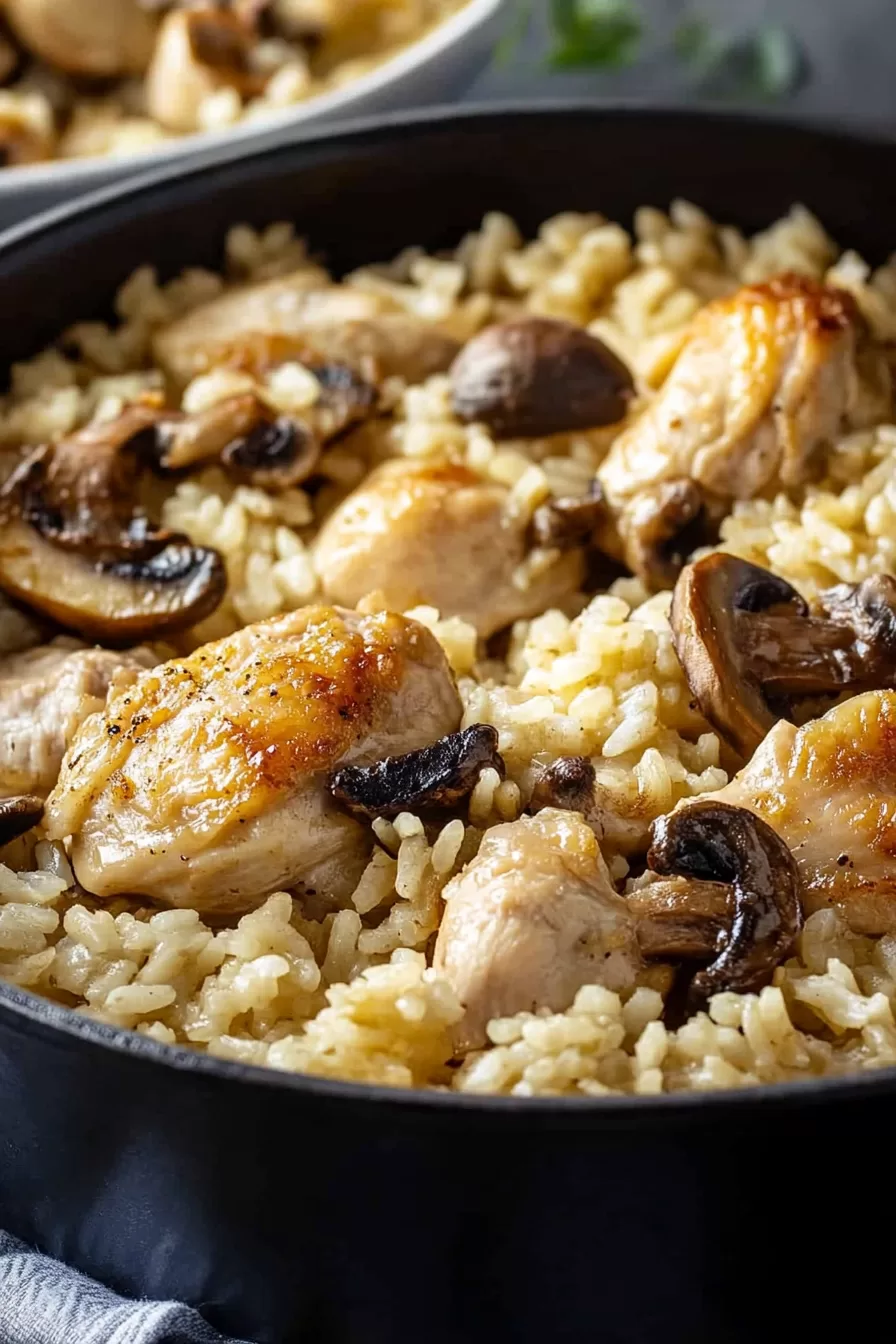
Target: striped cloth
{"type": "Point", "coordinates": [44, 1302]}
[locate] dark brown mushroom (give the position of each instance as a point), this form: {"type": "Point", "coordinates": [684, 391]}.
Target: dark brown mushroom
{"type": "Point", "coordinates": [713, 842]}
{"type": "Point", "coordinates": [434, 777]}
{"type": "Point", "coordinates": [75, 547]}
{"type": "Point", "coordinates": [567, 783]}
{"type": "Point", "coordinates": [660, 529]}
{"type": "Point", "coordinates": [750, 647]}
{"type": "Point", "coordinates": [19, 815]}
{"type": "Point", "coordinates": [569, 521]}
{"type": "Point", "coordinates": [536, 376]}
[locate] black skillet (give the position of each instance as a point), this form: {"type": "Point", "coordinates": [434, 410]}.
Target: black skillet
{"type": "Point", "coordinates": [291, 1209]}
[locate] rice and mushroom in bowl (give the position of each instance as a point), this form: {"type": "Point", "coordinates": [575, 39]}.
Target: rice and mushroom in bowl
{"type": "Point", "coordinates": [81, 78]}
{"type": "Point", "coordinates": [350, 725]}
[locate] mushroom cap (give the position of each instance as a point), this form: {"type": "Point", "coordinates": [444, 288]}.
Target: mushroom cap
{"type": "Point", "coordinates": [536, 376]}
{"type": "Point", "coordinates": [18, 815]}
{"type": "Point", "coordinates": [706, 601]}
{"type": "Point", "coordinates": [712, 842]}
{"type": "Point", "coordinates": [435, 776]}
{"type": "Point", "coordinates": [74, 547]}
{"type": "Point", "coordinates": [116, 603]}
{"type": "Point", "coordinates": [85, 37]}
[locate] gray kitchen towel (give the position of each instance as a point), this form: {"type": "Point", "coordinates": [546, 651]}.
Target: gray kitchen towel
{"type": "Point", "coordinates": [44, 1302]}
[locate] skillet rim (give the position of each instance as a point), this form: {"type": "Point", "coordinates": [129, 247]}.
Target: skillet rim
{"type": "Point", "coordinates": [41, 1017]}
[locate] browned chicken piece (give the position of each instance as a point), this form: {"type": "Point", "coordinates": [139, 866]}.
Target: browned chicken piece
{"type": "Point", "coordinates": [829, 790]}
{"type": "Point", "coordinates": [769, 377]}
{"type": "Point", "coordinates": [205, 784]}
{"type": "Point", "coordinates": [45, 696]}
{"type": "Point", "coordinates": [302, 317]}
{"type": "Point", "coordinates": [442, 536]}
{"type": "Point", "coordinates": [530, 920]}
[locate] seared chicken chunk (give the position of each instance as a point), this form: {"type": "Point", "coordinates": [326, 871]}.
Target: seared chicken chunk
{"type": "Point", "coordinates": [302, 317]}
{"type": "Point", "coordinates": [45, 696]}
{"type": "Point", "coordinates": [205, 784]}
{"type": "Point", "coordinates": [829, 790]}
{"type": "Point", "coordinates": [770, 376]}
{"type": "Point", "coordinates": [530, 920]}
{"type": "Point", "coordinates": [437, 535]}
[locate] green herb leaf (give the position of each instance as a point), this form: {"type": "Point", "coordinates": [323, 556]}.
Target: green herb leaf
{"type": "Point", "coordinates": [590, 33]}
{"type": "Point", "coordinates": [511, 41]}
{"type": "Point", "coordinates": [694, 42]}
{"type": "Point", "coordinates": [763, 65]}
{"type": "Point", "coordinates": [778, 61]}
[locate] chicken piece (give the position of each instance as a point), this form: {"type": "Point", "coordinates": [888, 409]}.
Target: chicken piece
{"type": "Point", "coordinates": [769, 377]}
{"type": "Point", "coordinates": [205, 784]}
{"type": "Point", "coordinates": [829, 790]}
{"type": "Point", "coordinates": [437, 535]}
{"type": "Point", "coordinates": [302, 317]}
{"type": "Point", "coordinates": [45, 695]}
{"type": "Point", "coordinates": [530, 920]}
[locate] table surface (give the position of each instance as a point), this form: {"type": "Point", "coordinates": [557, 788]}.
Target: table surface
{"type": "Point", "coordinates": [849, 46]}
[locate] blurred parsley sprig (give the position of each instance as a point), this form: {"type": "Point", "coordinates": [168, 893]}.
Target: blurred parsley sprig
{"type": "Point", "coordinates": [607, 35]}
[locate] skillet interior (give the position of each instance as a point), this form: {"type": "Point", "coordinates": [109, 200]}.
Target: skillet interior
{"type": "Point", "coordinates": [361, 194]}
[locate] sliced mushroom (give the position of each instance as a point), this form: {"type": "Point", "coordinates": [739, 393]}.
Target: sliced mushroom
{"type": "Point", "coordinates": [244, 436]}
{"type": "Point", "coordinates": [255, 444]}
{"type": "Point", "coordinates": [750, 647]}
{"type": "Point", "coordinates": [437, 776]}
{"type": "Point", "coordinates": [198, 51]}
{"type": "Point", "coordinates": [569, 521]}
{"type": "Point", "coordinates": [535, 376]}
{"type": "Point", "coordinates": [74, 547]}
{"type": "Point", "coordinates": [660, 529]}
{"type": "Point", "coordinates": [85, 37]}
{"type": "Point", "coordinates": [680, 919]}
{"type": "Point", "coordinates": [19, 815]}
{"type": "Point", "coordinates": [714, 842]}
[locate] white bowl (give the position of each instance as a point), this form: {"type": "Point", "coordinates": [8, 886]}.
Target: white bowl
{"type": "Point", "coordinates": [434, 69]}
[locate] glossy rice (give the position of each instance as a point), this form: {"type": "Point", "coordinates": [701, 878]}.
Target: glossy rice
{"type": "Point", "coordinates": [353, 995]}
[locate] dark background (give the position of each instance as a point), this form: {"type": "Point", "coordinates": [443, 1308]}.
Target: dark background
{"type": "Point", "coordinates": [849, 46]}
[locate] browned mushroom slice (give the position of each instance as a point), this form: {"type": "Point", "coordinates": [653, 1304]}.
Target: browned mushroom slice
{"type": "Point", "coordinates": [117, 603]}
{"type": "Point", "coordinates": [85, 37]}
{"type": "Point", "coordinates": [750, 647]}
{"type": "Point", "coordinates": [245, 437]}
{"type": "Point", "coordinates": [714, 842]}
{"type": "Point", "coordinates": [681, 920]}
{"type": "Point", "coordinates": [437, 776]}
{"type": "Point", "coordinates": [536, 376]}
{"type": "Point", "coordinates": [661, 528]}
{"type": "Point", "coordinates": [254, 443]}
{"type": "Point", "coordinates": [569, 521]}
{"type": "Point", "coordinates": [74, 547]}
{"type": "Point", "coordinates": [19, 815]}
{"type": "Point", "coordinates": [185, 441]}
{"type": "Point", "coordinates": [567, 783]}
{"type": "Point", "coordinates": [79, 493]}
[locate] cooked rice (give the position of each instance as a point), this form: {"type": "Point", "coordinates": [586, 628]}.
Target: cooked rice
{"type": "Point", "coordinates": [353, 995]}
{"type": "Point", "coordinates": [54, 116]}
